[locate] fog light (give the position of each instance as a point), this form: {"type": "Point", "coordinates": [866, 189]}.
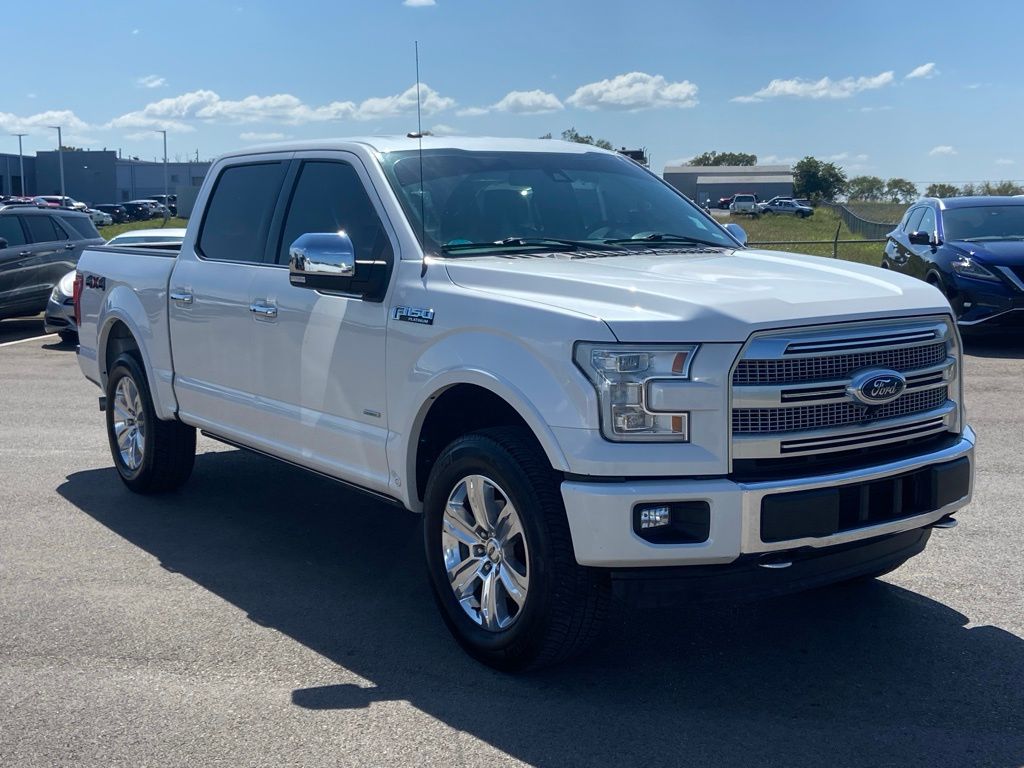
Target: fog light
{"type": "Point", "coordinates": [673, 522]}
{"type": "Point", "coordinates": [653, 517]}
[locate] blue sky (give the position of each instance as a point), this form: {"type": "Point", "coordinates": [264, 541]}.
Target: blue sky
{"type": "Point", "coordinates": [929, 91]}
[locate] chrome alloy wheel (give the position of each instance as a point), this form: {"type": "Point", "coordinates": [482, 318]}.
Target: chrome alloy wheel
{"type": "Point", "coordinates": [129, 423]}
{"type": "Point", "coordinates": [485, 553]}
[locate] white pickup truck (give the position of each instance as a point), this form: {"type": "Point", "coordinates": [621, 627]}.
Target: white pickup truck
{"type": "Point", "coordinates": [585, 384]}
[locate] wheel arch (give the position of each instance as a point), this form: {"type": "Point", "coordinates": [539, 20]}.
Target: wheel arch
{"type": "Point", "coordinates": [475, 401]}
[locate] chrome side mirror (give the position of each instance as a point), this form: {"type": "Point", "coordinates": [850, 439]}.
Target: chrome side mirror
{"type": "Point", "coordinates": [322, 260]}
{"type": "Point", "coordinates": [737, 231]}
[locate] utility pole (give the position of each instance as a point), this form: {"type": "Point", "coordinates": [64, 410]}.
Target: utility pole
{"type": "Point", "coordinates": [60, 158]}
{"type": "Point", "coordinates": [167, 199]}
{"type": "Point", "coordinates": [21, 163]}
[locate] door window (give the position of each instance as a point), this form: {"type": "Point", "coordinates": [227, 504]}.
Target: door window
{"type": "Point", "coordinates": [330, 197]}
{"type": "Point", "coordinates": [11, 231]}
{"type": "Point", "coordinates": [914, 219]}
{"type": "Point", "coordinates": [41, 229]}
{"type": "Point", "coordinates": [927, 223]}
{"type": "Point", "coordinates": [239, 211]}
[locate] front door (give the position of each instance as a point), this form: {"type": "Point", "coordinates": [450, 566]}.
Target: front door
{"type": "Point", "coordinates": [320, 356]}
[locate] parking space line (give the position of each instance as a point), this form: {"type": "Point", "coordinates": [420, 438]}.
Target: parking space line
{"type": "Point", "coordinates": [22, 341]}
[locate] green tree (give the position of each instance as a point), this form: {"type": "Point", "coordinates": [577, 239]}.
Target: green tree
{"type": "Point", "coordinates": [899, 190]}
{"type": "Point", "coordinates": [571, 134]}
{"type": "Point", "coordinates": [724, 158]}
{"type": "Point", "coordinates": [1002, 188]}
{"type": "Point", "coordinates": [941, 190]}
{"type": "Point", "coordinates": [865, 188]}
{"type": "Point", "coordinates": [818, 180]}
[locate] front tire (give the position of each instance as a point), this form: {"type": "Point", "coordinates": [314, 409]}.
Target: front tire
{"type": "Point", "coordinates": [500, 558]}
{"type": "Point", "coordinates": [151, 456]}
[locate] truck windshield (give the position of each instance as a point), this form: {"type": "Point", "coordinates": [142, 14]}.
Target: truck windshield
{"type": "Point", "coordinates": [989, 222]}
{"type": "Point", "coordinates": [529, 199]}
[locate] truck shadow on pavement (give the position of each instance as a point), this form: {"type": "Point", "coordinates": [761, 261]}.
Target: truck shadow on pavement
{"type": "Point", "coordinates": [865, 674]}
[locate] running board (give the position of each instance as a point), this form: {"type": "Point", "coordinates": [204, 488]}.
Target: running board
{"type": "Point", "coordinates": [367, 491]}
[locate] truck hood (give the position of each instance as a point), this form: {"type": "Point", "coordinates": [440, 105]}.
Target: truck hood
{"type": "Point", "coordinates": [714, 295]}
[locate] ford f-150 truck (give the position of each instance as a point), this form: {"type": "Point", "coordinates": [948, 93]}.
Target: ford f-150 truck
{"type": "Point", "coordinates": [587, 386]}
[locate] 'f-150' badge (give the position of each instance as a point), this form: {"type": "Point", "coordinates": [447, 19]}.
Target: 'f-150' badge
{"type": "Point", "coordinates": [414, 315]}
{"type": "Point", "coordinates": [876, 387]}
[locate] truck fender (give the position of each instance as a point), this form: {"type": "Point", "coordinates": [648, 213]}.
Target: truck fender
{"type": "Point", "coordinates": [122, 305]}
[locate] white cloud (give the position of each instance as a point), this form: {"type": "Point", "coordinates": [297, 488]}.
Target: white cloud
{"type": "Point", "coordinates": [1004, 161]}
{"type": "Point", "coordinates": [444, 130]}
{"type": "Point", "coordinates": [280, 107]}
{"type": "Point", "coordinates": [775, 160]}
{"type": "Point", "coordinates": [151, 81]}
{"type": "Point", "coordinates": [135, 31]}
{"type": "Point", "coordinates": [825, 88]}
{"type": "Point", "coordinates": [535, 102]}
{"type": "Point", "coordinates": [942, 149]}
{"type": "Point", "coordinates": [65, 118]}
{"type": "Point", "coordinates": [883, 108]}
{"type": "Point", "coordinates": [634, 91]}
{"type": "Point", "coordinates": [261, 136]}
{"type": "Point", "coordinates": [925, 70]}
{"type": "Point", "coordinates": [404, 103]}
{"type": "Point", "coordinates": [419, 3]}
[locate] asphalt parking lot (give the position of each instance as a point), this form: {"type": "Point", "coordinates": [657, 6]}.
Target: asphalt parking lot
{"type": "Point", "coordinates": [263, 616]}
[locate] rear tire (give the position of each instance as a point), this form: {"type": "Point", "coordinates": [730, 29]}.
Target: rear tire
{"type": "Point", "coordinates": [151, 456]}
{"type": "Point", "coordinates": [552, 608]}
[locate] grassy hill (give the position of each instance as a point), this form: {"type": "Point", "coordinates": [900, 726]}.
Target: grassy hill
{"type": "Point", "coordinates": [821, 226]}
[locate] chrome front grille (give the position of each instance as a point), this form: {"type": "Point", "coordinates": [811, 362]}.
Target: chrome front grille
{"type": "Point", "coordinates": [747, 421]}
{"type": "Point", "coordinates": [789, 388]}
{"type": "Point", "coordinates": [823, 368]}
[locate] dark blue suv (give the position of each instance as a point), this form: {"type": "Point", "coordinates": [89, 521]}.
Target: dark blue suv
{"type": "Point", "coordinates": [972, 249]}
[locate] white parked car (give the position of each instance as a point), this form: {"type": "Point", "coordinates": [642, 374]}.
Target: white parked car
{"type": "Point", "coordinates": [575, 375]}
{"type": "Point", "coordinates": [744, 204]}
{"type": "Point", "coordinates": [99, 218]}
{"type": "Point", "coordinates": [144, 236]}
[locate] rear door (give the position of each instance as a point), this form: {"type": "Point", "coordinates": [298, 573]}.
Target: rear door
{"type": "Point", "coordinates": [51, 258]}
{"type": "Point", "coordinates": [321, 354]}
{"type": "Point", "coordinates": [14, 260]}
{"type": "Point", "coordinates": [209, 298]}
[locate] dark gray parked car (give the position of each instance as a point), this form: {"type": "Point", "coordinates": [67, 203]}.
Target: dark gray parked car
{"type": "Point", "coordinates": [38, 246]}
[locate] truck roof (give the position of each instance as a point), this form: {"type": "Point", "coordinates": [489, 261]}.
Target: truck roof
{"type": "Point", "coordinates": [404, 143]}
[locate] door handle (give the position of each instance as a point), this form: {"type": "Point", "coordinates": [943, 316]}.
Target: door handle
{"type": "Point", "coordinates": [263, 310]}
{"type": "Point", "coordinates": [24, 254]}
{"type": "Point", "coordinates": [181, 297]}
{"type": "Point", "coordinates": [70, 247]}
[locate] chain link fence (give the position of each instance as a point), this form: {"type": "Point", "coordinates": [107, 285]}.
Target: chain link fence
{"type": "Point", "coordinates": [869, 230]}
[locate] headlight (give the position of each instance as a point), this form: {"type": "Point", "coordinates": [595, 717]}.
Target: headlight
{"type": "Point", "coordinates": [621, 373]}
{"type": "Point", "coordinates": [66, 286]}
{"type": "Point", "coordinates": [968, 267]}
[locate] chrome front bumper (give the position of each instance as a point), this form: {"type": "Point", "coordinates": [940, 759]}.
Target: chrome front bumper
{"type": "Point", "coordinates": [600, 514]}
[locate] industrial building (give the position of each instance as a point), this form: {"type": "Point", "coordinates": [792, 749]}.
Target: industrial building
{"type": "Point", "coordinates": [99, 176]}
{"type": "Point", "coordinates": [710, 182]}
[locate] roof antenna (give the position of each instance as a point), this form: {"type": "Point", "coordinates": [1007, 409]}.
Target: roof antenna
{"type": "Point", "coordinates": [423, 191]}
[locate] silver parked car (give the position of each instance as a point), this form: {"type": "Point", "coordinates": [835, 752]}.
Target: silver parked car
{"type": "Point", "coordinates": [787, 208]}
{"type": "Point", "coordinates": [60, 309]}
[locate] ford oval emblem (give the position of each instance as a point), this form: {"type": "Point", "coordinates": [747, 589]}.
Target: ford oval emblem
{"type": "Point", "coordinates": [876, 387]}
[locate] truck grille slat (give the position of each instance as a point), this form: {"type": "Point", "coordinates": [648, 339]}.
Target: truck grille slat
{"type": "Point", "coordinates": [746, 421]}
{"type": "Point", "coordinates": [827, 367]}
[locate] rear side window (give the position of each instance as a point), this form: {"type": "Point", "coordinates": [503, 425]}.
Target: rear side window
{"type": "Point", "coordinates": [42, 229]}
{"type": "Point", "coordinates": [239, 211]}
{"type": "Point", "coordinates": [81, 225]}
{"type": "Point", "coordinates": [11, 231]}
{"type": "Point", "coordinates": [330, 197]}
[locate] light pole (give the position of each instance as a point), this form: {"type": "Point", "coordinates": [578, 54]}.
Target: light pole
{"type": "Point", "coordinates": [167, 199]}
{"type": "Point", "coordinates": [21, 163]}
{"type": "Point", "coordinates": [60, 158]}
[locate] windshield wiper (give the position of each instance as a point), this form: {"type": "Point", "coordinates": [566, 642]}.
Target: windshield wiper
{"type": "Point", "coordinates": [664, 237]}
{"type": "Point", "coordinates": [525, 242]}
